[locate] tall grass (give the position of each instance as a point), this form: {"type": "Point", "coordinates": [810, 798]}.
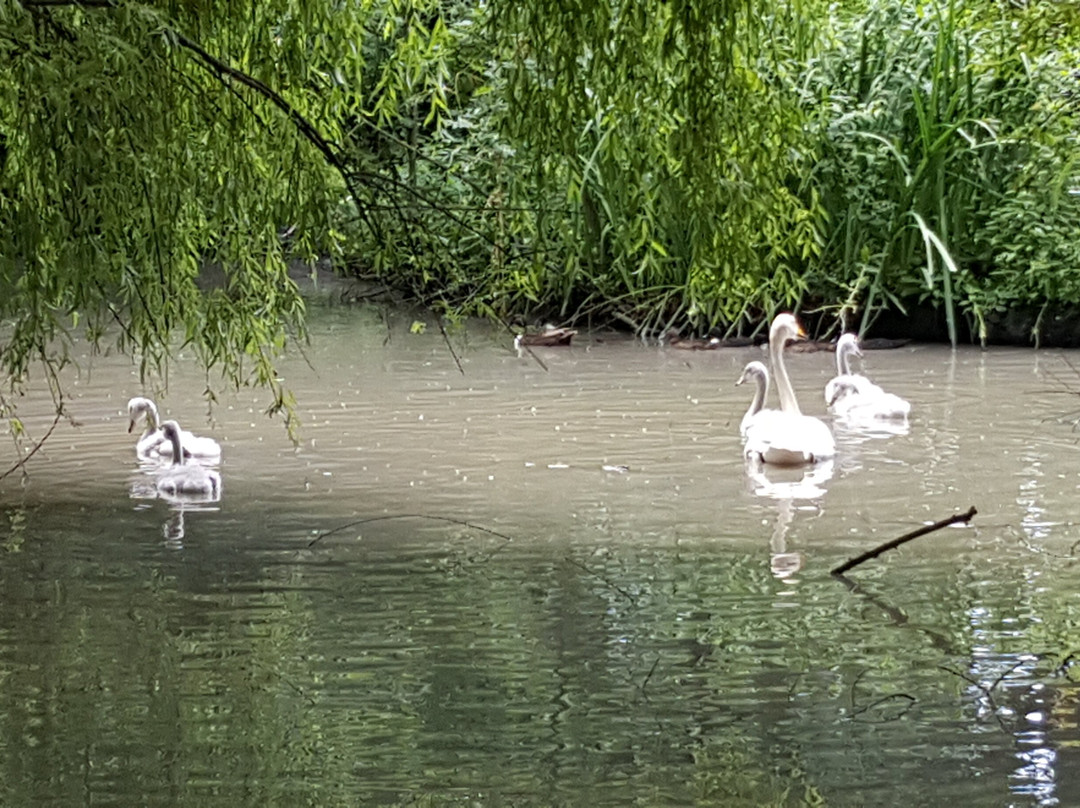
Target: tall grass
{"type": "Point", "coordinates": [921, 145]}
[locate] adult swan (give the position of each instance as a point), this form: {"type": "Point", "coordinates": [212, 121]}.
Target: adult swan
{"type": "Point", "coordinates": [787, 437]}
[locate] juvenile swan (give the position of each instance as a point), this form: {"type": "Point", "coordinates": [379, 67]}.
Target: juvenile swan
{"type": "Point", "coordinates": [755, 415]}
{"type": "Point", "coordinates": [787, 438]}
{"type": "Point", "coordinates": [851, 404]}
{"type": "Point", "coordinates": [846, 347]}
{"type": "Point", "coordinates": [153, 445]}
{"type": "Point", "coordinates": [855, 395]}
{"type": "Point", "coordinates": [183, 478]}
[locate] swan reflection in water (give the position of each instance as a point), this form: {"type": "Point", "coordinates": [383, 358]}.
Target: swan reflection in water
{"type": "Point", "coordinates": [173, 528]}
{"type": "Point", "coordinates": [787, 486]}
{"type": "Point", "coordinates": [860, 426]}
{"type": "Point", "coordinates": [783, 564]}
{"type": "Point", "coordinates": [789, 483]}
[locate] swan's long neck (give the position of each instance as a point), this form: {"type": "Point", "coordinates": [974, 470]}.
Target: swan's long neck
{"type": "Point", "coordinates": [760, 392]}
{"type": "Point", "coordinates": [149, 411]}
{"type": "Point", "coordinates": [177, 450]}
{"type": "Point", "coordinates": [843, 359]}
{"type": "Point", "coordinates": [783, 383]}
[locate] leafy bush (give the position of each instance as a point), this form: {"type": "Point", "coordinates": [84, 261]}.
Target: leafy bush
{"type": "Point", "coordinates": [943, 182]}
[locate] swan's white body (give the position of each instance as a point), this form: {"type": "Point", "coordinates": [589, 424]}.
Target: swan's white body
{"type": "Point", "coordinates": [855, 396]}
{"type": "Point", "coordinates": [182, 478]}
{"type": "Point", "coordinates": [852, 404]}
{"type": "Point", "coordinates": [153, 445]}
{"type": "Point", "coordinates": [787, 437]}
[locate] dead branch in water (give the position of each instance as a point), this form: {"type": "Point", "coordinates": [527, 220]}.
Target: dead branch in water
{"type": "Point", "coordinates": [387, 517]}
{"type": "Point", "coordinates": [890, 545]}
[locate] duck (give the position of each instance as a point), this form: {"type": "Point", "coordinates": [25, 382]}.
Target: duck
{"type": "Point", "coordinates": [854, 394]}
{"type": "Point", "coordinates": [549, 336]}
{"type": "Point", "coordinates": [153, 445]}
{"type": "Point", "coordinates": [787, 438]}
{"type": "Point", "coordinates": [183, 478]}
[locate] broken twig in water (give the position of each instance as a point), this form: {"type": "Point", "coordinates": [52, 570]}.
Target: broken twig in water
{"type": "Point", "coordinates": [387, 517]}
{"type": "Point", "coordinates": [922, 531]}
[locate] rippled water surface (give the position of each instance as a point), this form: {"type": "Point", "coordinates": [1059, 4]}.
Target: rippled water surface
{"type": "Point", "coordinates": [545, 581]}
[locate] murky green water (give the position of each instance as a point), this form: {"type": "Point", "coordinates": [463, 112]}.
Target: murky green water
{"type": "Point", "coordinates": [503, 617]}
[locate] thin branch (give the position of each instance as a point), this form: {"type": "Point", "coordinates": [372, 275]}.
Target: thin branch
{"type": "Point", "coordinates": [890, 545]}
{"type": "Point", "coordinates": [303, 125]}
{"type": "Point", "coordinates": [987, 691]}
{"type": "Point", "coordinates": [910, 703]}
{"type": "Point", "coordinates": [38, 445]}
{"type": "Point", "coordinates": [409, 516]}
{"type": "Point", "coordinates": [596, 575]}
{"type": "Point", "coordinates": [899, 619]}
{"type": "Point", "coordinates": [648, 676]}
{"type": "Point", "coordinates": [446, 337]}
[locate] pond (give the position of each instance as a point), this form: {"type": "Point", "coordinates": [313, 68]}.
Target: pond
{"type": "Point", "coordinates": [545, 580]}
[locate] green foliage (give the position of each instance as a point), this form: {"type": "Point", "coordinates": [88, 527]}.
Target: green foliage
{"type": "Point", "coordinates": [934, 121]}
{"type": "Point", "coordinates": [142, 187]}
{"type": "Point", "coordinates": [595, 160]}
{"type": "Point", "coordinates": [662, 164]}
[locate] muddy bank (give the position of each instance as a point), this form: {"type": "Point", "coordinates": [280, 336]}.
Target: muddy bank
{"type": "Point", "coordinates": [1053, 327]}
{"type": "Point", "coordinates": [1056, 327]}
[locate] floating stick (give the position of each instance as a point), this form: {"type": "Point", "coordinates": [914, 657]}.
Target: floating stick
{"type": "Point", "coordinates": [922, 531]}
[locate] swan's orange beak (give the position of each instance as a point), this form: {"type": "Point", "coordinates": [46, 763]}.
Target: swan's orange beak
{"type": "Point", "coordinates": [801, 333]}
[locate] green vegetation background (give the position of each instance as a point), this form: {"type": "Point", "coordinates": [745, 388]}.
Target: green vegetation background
{"type": "Point", "coordinates": [695, 166]}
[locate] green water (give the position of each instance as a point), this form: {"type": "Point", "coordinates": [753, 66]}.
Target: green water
{"type": "Point", "coordinates": [510, 620]}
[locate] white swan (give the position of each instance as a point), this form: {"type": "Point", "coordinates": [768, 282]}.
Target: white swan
{"type": "Point", "coordinates": [153, 445]}
{"type": "Point", "coordinates": [855, 395]}
{"type": "Point", "coordinates": [787, 438]}
{"type": "Point", "coordinates": [755, 415]}
{"type": "Point", "coordinates": [846, 347]}
{"type": "Point", "coordinates": [182, 478]}
{"type": "Point", "coordinates": [851, 403]}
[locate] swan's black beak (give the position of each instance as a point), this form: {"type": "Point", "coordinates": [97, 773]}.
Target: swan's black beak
{"type": "Point", "coordinates": [131, 425]}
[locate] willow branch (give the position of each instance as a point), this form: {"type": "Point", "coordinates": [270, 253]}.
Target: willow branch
{"type": "Point", "coordinates": [39, 444]}
{"type": "Point", "coordinates": [891, 545]}
{"type": "Point", "coordinates": [302, 124]}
